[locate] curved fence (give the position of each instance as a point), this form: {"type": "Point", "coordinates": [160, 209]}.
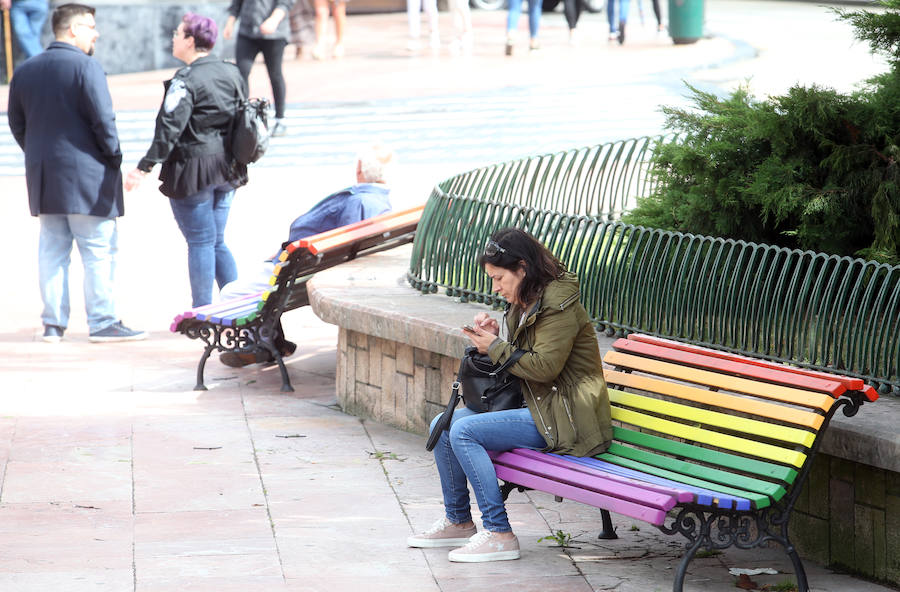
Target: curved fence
{"type": "Point", "coordinates": [809, 309]}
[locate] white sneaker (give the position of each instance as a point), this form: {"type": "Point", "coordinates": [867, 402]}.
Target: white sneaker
{"type": "Point", "coordinates": [442, 533]}
{"type": "Point", "coordinates": [486, 546]}
{"type": "Point", "coordinates": [434, 42]}
{"type": "Point", "coordinates": [413, 44]}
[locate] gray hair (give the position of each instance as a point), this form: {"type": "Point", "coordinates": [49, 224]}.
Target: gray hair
{"type": "Point", "coordinates": [376, 163]}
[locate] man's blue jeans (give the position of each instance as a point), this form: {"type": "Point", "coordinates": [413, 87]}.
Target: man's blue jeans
{"type": "Point", "coordinates": [461, 454]}
{"type": "Point", "coordinates": [534, 16]}
{"type": "Point", "coordinates": [27, 19]}
{"type": "Point", "coordinates": [202, 218]}
{"type": "Point", "coordinates": [97, 239]}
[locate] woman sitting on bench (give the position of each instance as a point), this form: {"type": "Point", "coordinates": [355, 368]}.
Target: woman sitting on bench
{"type": "Point", "coordinates": [566, 404]}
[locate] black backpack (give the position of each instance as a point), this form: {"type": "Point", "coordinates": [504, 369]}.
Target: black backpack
{"type": "Point", "coordinates": [249, 135]}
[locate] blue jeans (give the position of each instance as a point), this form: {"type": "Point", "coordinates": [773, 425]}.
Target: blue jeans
{"type": "Point", "coordinates": [624, 7]}
{"type": "Point", "coordinates": [461, 454]}
{"type": "Point", "coordinates": [27, 19]}
{"type": "Point", "coordinates": [97, 239]}
{"type": "Point", "coordinates": [202, 218]}
{"type": "Point", "coordinates": [534, 16]}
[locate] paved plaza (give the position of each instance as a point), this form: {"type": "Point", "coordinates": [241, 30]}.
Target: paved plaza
{"type": "Point", "coordinates": [116, 476]}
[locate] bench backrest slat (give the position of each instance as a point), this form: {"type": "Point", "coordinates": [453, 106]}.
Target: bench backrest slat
{"type": "Point", "coordinates": [721, 381]}
{"type": "Point", "coordinates": [714, 419]}
{"type": "Point", "coordinates": [706, 455]}
{"type": "Point", "coordinates": [851, 383]}
{"type": "Point", "coordinates": [714, 475]}
{"type": "Point", "coordinates": [782, 413]}
{"type": "Point", "coordinates": [712, 438]}
{"type": "Point", "coordinates": [724, 365]}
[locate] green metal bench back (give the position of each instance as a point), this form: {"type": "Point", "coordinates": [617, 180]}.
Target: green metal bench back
{"type": "Point", "coordinates": [811, 309]}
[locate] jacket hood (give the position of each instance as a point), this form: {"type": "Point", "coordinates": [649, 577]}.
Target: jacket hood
{"type": "Point", "coordinates": [561, 293]}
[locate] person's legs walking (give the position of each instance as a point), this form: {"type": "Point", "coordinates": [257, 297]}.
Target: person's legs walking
{"type": "Point", "coordinates": [413, 21]}
{"type": "Point", "coordinates": [339, 11]}
{"type": "Point", "coordinates": [226, 268]}
{"type": "Point", "coordinates": [273, 55]}
{"type": "Point", "coordinates": [54, 256]}
{"type": "Point", "coordinates": [321, 7]}
{"type": "Point", "coordinates": [245, 51]}
{"type": "Point", "coordinates": [512, 23]}
{"type": "Point", "coordinates": [624, 6]}
{"type": "Point", "coordinates": [98, 243]}
{"type": "Point", "coordinates": [27, 20]}
{"type": "Point", "coordinates": [534, 21]}
{"type": "Point", "coordinates": [194, 216]}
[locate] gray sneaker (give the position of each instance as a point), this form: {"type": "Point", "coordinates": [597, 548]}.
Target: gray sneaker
{"type": "Point", "coordinates": [53, 333]}
{"type": "Point", "coordinates": [442, 533]}
{"type": "Point", "coordinates": [116, 332]}
{"type": "Point", "coordinates": [486, 546]}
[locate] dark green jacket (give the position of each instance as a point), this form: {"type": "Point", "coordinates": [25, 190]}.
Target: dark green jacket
{"type": "Point", "coordinates": [562, 378]}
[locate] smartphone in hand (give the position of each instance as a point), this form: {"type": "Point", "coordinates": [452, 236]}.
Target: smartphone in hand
{"type": "Point", "coordinates": [468, 328]}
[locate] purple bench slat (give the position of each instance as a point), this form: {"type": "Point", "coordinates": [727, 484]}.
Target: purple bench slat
{"type": "Point", "coordinates": [591, 498]}
{"type": "Point", "coordinates": [195, 313]}
{"type": "Point", "coordinates": [631, 492]}
{"type": "Point", "coordinates": [228, 318]}
{"type": "Point", "coordinates": [681, 495]}
{"type": "Point", "coordinates": [705, 497]}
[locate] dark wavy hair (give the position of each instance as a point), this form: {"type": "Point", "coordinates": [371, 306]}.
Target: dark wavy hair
{"type": "Point", "coordinates": [202, 29]}
{"type": "Point", "coordinates": [523, 250]}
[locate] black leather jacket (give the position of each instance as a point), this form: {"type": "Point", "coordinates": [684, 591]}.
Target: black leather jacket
{"type": "Point", "coordinates": [251, 13]}
{"type": "Point", "coordinates": [192, 126]}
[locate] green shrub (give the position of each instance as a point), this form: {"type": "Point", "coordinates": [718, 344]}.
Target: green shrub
{"type": "Point", "coordinates": [813, 169]}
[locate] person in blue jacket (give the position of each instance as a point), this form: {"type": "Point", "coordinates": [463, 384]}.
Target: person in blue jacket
{"type": "Point", "coordinates": [369, 197]}
{"type": "Point", "coordinates": [61, 114]}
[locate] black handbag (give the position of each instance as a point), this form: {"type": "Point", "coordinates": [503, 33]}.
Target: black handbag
{"type": "Point", "coordinates": [485, 387]}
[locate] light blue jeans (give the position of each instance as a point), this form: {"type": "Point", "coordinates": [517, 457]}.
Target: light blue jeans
{"type": "Point", "coordinates": [461, 455]}
{"type": "Point", "coordinates": [27, 19]}
{"type": "Point", "coordinates": [624, 7]}
{"type": "Point", "coordinates": [534, 16]}
{"type": "Point", "coordinates": [97, 239]}
{"type": "Point", "coordinates": [201, 218]}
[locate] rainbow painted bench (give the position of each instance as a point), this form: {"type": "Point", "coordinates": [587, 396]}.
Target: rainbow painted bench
{"type": "Point", "coordinates": [707, 444]}
{"type": "Point", "coordinates": [251, 322]}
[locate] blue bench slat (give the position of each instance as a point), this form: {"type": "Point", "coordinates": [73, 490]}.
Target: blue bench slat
{"type": "Point", "coordinates": [705, 497]}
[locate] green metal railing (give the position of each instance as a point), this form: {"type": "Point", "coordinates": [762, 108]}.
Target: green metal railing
{"type": "Point", "coordinates": [805, 308]}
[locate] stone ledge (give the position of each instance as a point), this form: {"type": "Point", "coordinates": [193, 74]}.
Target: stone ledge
{"type": "Point", "coordinates": [370, 296]}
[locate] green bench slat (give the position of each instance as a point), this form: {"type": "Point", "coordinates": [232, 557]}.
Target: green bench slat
{"type": "Point", "coordinates": [706, 455]}
{"type": "Point", "coordinates": [714, 475]}
{"type": "Point", "coordinates": [758, 500]}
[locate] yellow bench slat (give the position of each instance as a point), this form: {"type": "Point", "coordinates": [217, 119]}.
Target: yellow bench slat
{"type": "Point", "coordinates": [695, 434]}
{"type": "Point", "coordinates": [714, 418]}
{"type": "Point", "coordinates": [721, 381]}
{"type": "Point", "coordinates": [807, 419]}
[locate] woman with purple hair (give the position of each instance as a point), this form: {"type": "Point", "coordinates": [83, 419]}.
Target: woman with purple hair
{"type": "Point", "coordinates": [198, 174]}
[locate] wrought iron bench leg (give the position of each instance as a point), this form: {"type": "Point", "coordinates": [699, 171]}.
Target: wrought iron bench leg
{"type": "Point", "coordinates": [608, 532]}
{"type": "Point", "coordinates": [200, 367]}
{"type": "Point", "coordinates": [678, 584]}
{"type": "Point", "coordinates": [802, 584]}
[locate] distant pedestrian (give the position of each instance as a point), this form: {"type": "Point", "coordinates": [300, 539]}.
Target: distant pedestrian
{"type": "Point", "coordinates": [617, 14]}
{"type": "Point", "coordinates": [264, 28]}
{"type": "Point", "coordinates": [462, 24]}
{"type": "Point", "coordinates": [512, 23]}
{"type": "Point", "coordinates": [27, 19]}
{"type": "Point", "coordinates": [198, 175]}
{"type": "Point", "coordinates": [303, 32]}
{"type": "Point", "coordinates": [339, 11]}
{"type": "Point", "coordinates": [61, 114]}
{"type": "Point", "coordinates": [413, 18]}
{"type": "Point", "coordinates": [572, 10]}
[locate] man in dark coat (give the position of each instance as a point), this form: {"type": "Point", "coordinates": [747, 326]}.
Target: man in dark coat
{"type": "Point", "coordinates": [60, 112]}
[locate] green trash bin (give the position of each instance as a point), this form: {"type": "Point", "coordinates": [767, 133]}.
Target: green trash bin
{"type": "Point", "coordinates": [686, 20]}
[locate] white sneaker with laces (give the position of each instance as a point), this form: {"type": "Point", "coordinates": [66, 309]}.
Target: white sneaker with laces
{"type": "Point", "coordinates": [486, 546]}
{"type": "Point", "coordinates": [442, 533]}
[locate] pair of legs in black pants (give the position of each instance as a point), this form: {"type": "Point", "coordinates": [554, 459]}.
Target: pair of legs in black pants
{"type": "Point", "coordinates": [273, 52]}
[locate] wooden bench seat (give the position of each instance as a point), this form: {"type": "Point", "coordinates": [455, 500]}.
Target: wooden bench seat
{"type": "Point", "coordinates": [716, 445]}
{"type": "Point", "coordinates": [250, 322]}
